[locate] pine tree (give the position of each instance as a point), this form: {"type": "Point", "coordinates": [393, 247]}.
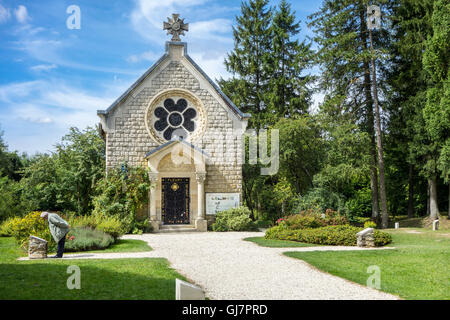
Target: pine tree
{"type": "Point", "coordinates": [344, 56]}
{"type": "Point", "coordinates": [411, 25]}
{"type": "Point", "coordinates": [289, 92]}
{"type": "Point", "coordinates": [249, 61]}
{"type": "Point", "coordinates": [437, 109]}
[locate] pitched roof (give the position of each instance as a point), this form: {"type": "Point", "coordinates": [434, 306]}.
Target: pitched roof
{"type": "Point", "coordinates": [175, 140]}
{"type": "Point", "coordinates": [227, 100]}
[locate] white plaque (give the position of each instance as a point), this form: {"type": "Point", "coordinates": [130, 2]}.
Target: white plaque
{"type": "Point", "coordinates": [216, 202]}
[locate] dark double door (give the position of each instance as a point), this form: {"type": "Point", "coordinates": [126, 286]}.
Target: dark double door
{"type": "Point", "coordinates": [175, 200]}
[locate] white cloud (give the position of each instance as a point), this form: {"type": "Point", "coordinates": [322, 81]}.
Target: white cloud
{"type": "Point", "coordinates": [148, 56]}
{"type": "Point", "coordinates": [52, 101]}
{"type": "Point", "coordinates": [43, 67]}
{"type": "Point", "coordinates": [21, 14]}
{"type": "Point", "coordinates": [4, 14]}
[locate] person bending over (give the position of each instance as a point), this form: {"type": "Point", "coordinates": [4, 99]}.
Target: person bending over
{"type": "Point", "coordinates": [58, 228]}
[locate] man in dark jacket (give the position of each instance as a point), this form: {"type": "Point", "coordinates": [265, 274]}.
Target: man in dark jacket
{"type": "Point", "coordinates": [58, 228]}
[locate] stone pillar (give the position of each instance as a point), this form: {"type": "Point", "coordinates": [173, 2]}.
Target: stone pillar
{"type": "Point", "coordinates": [201, 223]}
{"type": "Point", "coordinates": [153, 216]}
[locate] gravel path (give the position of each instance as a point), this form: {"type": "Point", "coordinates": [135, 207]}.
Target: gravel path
{"type": "Point", "coordinates": [227, 267]}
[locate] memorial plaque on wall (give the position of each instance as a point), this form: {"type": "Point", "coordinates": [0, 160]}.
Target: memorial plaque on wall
{"type": "Point", "coordinates": [216, 202]}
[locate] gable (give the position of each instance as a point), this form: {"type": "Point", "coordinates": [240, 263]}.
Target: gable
{"type": "Point", "coordinates": [177, 51]}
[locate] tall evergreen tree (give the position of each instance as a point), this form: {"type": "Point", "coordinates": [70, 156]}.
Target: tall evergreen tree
{"type": "Point", "coordinates": [249, 61]}
{"type": "Point", "coordinates": [437, 109]}
{"type": "Point", "coordinates": [289, 87]}
{"type": "Point", "coordinates": [344, 55]}
{"type": "Point", "coordinates": [407, 84]}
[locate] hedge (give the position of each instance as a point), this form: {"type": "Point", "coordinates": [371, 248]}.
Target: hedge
{"type": "Point", "coordinates": [343, 235]}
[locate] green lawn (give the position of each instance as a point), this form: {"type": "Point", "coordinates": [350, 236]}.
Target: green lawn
{"type": "Point", "coordinates": [147, 278]}
{"type": "Point", "coordinates": [122, 245]}
{"type": "Point", "coordinates": [278, 243]}
{"type": "Point", "coordinates": [417, 269]}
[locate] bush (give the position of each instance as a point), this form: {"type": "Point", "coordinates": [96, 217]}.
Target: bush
{"type": "Point", "coordinates": [122, 193]}
{"type": "Point", "coordinates": [314, 219]}
{"type": "Point", "coordinates": [343, 235]}
{"type": "Point", "coordinates": [83, 239]}
{"type": "Point", "coordinates": [109, 224]}
{"type": "Point", "coordinates": [382, 238]}
{"type": "Point", "coordinates": [31, 225]}
{"type": "Point", "coordinates": [370, 224]}
{"type": "Point", "coordinates": [112, 226]}
{"type": "Point", "coordinates": [6, 228]}
{"type": "Point", "coordinates": [234, 219]}
{"type": "Point", "coordinates": [282, 233]}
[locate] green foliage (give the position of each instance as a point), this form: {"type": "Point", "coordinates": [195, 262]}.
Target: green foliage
{"type": "Point", "coordinates": [381, 238]}
{"type": "Point", "coordinates": [282, 232]}
{"type": "Point", "coordinates": [31, 225]}
{"type": "Point", "coordinates": [314, 218]}
{"type": "Point", "coordinates": [84, 239]}
{"type": "Point", "coordinates": [10, 204]}
{"type": "Point", "coordinates": [249, 60]}
{"type": "Point", "coordinates": [370, 224]}
{"type": "Point", "coordinates": [340, 235]}
{"type": "Point", "coordinates": [65, 180]}
{"type": "Point", "coordinates": [121, 194]}
{"type": "Point", "coordinates": [6, 228]}
{"type": "Point", "coordinates": [111, 225]}
{"type": "Point", "coordinates": [234, 219]}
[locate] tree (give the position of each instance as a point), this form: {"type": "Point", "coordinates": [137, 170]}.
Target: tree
{"type": "Point", "coordinates": [344, 56]}
{"type": "Point", "coordinates": [249, 61]}
{"type": "Point", "coordinates": [437, 109]}
{"type": "Point", "coordinates": [289, 93]}
{"type": "Point", "coordinates": [80, 165]}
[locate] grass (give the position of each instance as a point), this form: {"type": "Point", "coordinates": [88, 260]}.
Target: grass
{"type": "Point", "coordinates": [113, 279]}
{"type": "Point", "coordinates": [278, 243]}
{"type": "Point", "coordinates": [122, 245]}
{"type": "Point", "coordinates": [416, 269]}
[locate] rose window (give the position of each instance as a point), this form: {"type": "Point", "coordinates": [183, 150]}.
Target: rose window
{"type": "Point", "coordinates": [175, 119]}
{"type": "Point", "coordinates": [175, 113]}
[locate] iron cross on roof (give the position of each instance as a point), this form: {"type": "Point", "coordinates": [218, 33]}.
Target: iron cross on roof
{"type": "Point", "coordinates": [175, 26]}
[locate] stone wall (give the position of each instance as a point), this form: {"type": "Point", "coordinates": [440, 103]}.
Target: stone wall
{"type": "Point", "coordinates": [129, 140]}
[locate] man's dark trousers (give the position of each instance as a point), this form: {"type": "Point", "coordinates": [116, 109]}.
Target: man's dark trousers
{"type": "Point", "coordinates": [61, 244]}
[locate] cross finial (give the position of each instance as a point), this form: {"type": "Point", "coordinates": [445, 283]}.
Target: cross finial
{"type": "Point", "coordinates": [175, 26]}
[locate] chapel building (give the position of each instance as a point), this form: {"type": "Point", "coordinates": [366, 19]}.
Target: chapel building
{"type": "Point", "coordinates": [176, 121]}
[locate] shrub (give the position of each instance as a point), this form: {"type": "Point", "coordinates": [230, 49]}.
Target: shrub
{"type": "Point", "coordinates": [370, 224]}
{"type": "Point", "coordinates": [121, 193]}
{"type": "Point", "coordinates": [83, 239]}
{"type": "Point", "coordinates": [344, 235]}
{"type": "Point", "coordinates": [382, 238]}
{"type": "Point", "coordinates": [31, 225]}
{"type": "Point", "coordinates": [234, 219]}
{"type": "Point", "coordinates": [112, 225]}
{"type": "Point", "coordinates": [282, 233]}
{"type": "Point", "coordinates": [314, 218]}
{"type": "Point", "coordinates": [6, 228]}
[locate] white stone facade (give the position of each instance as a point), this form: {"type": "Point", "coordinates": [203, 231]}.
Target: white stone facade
{"type": "Point", "coordinates": [213, 151]}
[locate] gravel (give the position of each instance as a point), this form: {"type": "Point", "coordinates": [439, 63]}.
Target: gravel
{"type": "Point", "coordinates": [226, 267]}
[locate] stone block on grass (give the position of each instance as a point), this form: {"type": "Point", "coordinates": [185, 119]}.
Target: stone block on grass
{"type": "Point", "coordinates": [37, 248]}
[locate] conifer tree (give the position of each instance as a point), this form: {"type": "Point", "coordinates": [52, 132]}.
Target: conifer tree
{"type": "Point", "coordinates": [249, 61]}
{"type": "Point", "coordinates": [344, 57]}
{"type": "Point", "coordinates": [289, 87]}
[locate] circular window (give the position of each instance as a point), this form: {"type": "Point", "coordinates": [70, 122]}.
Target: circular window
{"type": "Point", "coordinates": [175, 113]}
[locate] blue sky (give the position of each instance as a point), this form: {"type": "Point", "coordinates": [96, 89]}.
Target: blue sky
{"type": "Point", "coordinates": [53, 78]}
